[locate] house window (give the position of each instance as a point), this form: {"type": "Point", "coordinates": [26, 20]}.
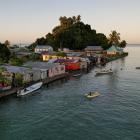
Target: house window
{"type": "Point", "coordinates": [62, 68]}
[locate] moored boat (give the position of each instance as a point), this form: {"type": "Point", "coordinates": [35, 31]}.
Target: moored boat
{"type": "Point", "coordinates": [29, 89]}
{"type": "Point", "coordinates": [137, 67]}
{"type": "Point", "coordinates": [101, 72]}
{"type": "Point", "coordinates": [76, 75]}
{"type": "Point", "coordinates": [92, 95]}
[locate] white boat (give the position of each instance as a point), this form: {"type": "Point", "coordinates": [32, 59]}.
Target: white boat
{"type": "Point", "coordinates": [29, 89]}
{"type": "Point", "coordinates": [101, 72]}
{"type": "Point", "coordinates": [76, 75]}
{"type": "Point", "coordinates": [92, 95]}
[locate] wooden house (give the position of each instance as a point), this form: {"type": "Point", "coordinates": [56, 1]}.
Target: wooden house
{"type": "Point", "coordinates": [93, 50]}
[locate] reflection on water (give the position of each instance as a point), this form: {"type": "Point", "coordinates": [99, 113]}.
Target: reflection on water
{"type": "Point", "coordinates": [62, 112]}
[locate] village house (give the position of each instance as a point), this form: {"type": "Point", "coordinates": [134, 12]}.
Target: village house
{"type": "Point", "coordinates": [66, 50]}
{"type": "Point", "coordinates": [70, 64]}
{"type": "Point", "coordinates": [93, 50]}
{"type": "Point", "coordinates": [84, 63]}
{"type": "Point", "coordinates": [74, 65]}
{"type": "Point", "coordinates": [47, 69]}
{"type": "Point", "coordinates": [69, 55]}
{"type": "Point", "coordinates": [113, 50]}
{"type": "Point", "coordinates": [43, 48]}
{"type": "Point", "coordinates": [120, 50]}
{"type": "Point", "coordinates": [49, 56]}
{"type": "Point", "coordinates": [75, 55]}
{"type": "Point", "coordinates": [28, 74]}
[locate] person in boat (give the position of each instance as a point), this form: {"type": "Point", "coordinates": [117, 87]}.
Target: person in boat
{"type": "Point", "coordinates": [25, 88]}
{"type": "Point", "coordinates": [90, 93]}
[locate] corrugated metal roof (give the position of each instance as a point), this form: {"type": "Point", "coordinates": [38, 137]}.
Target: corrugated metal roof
{"type": "Point", "coordinates": [94, 48]}
{"type": "Point", "coordinates": [40, 65]}
{"type": "Point", "coordinates": [74, 54]}
{"type": "Point", "coordinates": [112, 49]}
{"type": "Point", "coordinates": [16, 69]}
{"type": "Point", "coordinates": [43, 47]}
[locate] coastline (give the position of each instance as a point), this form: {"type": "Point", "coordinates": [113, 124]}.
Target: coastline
{"type": "Point", "coordinates": [47, 81]}
{"type": "Point", "coordinates": [64, 76]}
{"type": "Point", "coordinates": [113, 58]}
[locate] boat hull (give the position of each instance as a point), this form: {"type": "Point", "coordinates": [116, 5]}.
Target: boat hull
{"type": "Point", "coordinates": [77, 75]}
{"type": "Point", "coordinates": [137, 68]}
{"type": "Point", "coordinates": [29, 89]}
{"type": "Point", "coordinates": [104, 72]}
{"type": "Point", "coordinates": [93, 95]}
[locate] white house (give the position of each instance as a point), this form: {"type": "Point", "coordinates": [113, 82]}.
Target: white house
{"type": "Point", "coordinates": [43, 48]}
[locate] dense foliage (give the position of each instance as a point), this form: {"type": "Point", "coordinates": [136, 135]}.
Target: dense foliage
{"type": "Point", "coordinates": [16, 61]}
{"type": "Point", "coordinates": [72, 33]}
{"type": "Point", "coordinates": [62, 54]}
{"type": "Point", "coordinates": [115, 39]}
{"type": "Point", "coordinates": [35, 57]}
{"type": "Point", "coordinates": [4, 53]}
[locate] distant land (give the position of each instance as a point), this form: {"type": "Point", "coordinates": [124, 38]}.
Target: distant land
{"type": "Point", "coordinates": [134, 44]}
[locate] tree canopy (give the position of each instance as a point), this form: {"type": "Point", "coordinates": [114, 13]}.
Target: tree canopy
{"type": "Point", "coordinates": [114, 39]}
{"type": "Point", "coordinates": [4, 53]}
{"type": "Point", "coordinates": [74, 34]}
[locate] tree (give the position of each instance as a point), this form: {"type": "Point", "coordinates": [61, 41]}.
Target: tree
{"type": "Point", "coordinates": [74, 34]}
{"type": "Point", "coordinates": [16, 61]}
{"type": "Point", "coordinates": [35, 56]}
{"type": "Point", "coordinates": [78, 18]}
{"type": "Point", "coordinates": [114, 38]}
{"type": "Point", "coordinates": [41, 41]}
{"type": "Point", "coordinates": [4, 53]}
{"type": "Point", "coordinates": [7, 43]}
{"type": "Point", "coordinates": [123, 44]}
{"type": "Point", "coordinates": [102, 40]}
{"type": "Point", "coordinates": [62, 54]}
{"type": "Point", "coordinates": [50, 40]}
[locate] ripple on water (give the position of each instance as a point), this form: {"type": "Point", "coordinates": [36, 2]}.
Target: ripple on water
{"type": "Point", "coordinates": [62, 112]}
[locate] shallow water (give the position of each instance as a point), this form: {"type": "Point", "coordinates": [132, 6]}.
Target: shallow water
{"type": "Point", "coordinates": [61, 112]}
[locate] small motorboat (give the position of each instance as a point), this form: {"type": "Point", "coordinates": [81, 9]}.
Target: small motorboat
{"type": "Point", "coordinates": [29, 89]}
{"type": "Point", "coordinates": [101, 72]}
{"type": "Point", "coordinates": [76, 75]}
{"type": "Point", "coordinates": [92, 95]}
{"type": "Point", "coordinates": [137, 67]}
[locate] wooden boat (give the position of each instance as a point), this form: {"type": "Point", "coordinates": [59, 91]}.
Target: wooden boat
{"type": "Point", "coordinates": [92, 95]}
{"type": "Point", "coordinates": [101, 72]}
{"type": "Point", "coordinates": [137, 67]}
{"type": "Point", "coordinates": [29, 89]}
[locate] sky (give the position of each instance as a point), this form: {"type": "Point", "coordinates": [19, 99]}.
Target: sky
{"type": "Point", "coordinates": [22, 21]}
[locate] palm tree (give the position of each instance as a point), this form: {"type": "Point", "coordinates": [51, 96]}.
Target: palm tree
{"type": "Point", "coordinates": [114, 38]}
{"type": "Point", "coordinates": [7, 43]}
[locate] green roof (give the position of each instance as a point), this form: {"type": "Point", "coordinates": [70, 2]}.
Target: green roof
{"type": "Point", "coordinates": [112, 49]}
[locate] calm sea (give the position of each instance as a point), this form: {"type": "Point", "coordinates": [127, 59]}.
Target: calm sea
{"type": "Point", "coordinates": [61, 112]}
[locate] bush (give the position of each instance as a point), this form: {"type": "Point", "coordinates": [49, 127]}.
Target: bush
{"type": "Point", "coordinates": [16, 61]}
{"type": "Point", "coordinates": [19, 79]}
{"type": "Point", "coordinates": [62, 54]}
{"type": "Point", "coordinates": [35, 56]}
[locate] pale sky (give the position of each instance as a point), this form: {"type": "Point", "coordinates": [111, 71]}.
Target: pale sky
{"type": "Point", "coordinates": [22, 21]}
